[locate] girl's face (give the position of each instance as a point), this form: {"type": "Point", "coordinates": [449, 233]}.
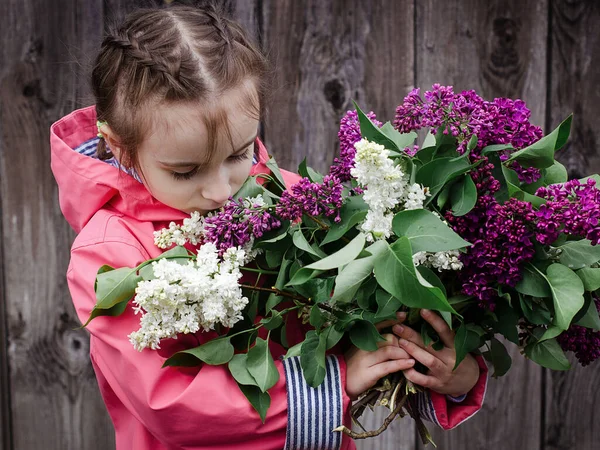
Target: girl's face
{"type": "Point", "coordinates": [174, 163]}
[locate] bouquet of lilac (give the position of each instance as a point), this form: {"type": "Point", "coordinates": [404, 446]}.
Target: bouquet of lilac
{"type": "Point", "coordinates": [479, 223]}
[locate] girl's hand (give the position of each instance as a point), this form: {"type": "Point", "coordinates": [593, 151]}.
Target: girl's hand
{"type": "Point", "coordinates": [364, 369]}
{"type": "Point", "coordinates": [440, 377]}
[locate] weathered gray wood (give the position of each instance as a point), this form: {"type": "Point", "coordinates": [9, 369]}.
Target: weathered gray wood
{"type": "Point", "coordinates": [327, 54]}
{"type": "Point", "coordinates": [571, 417]}
{"type": "Point", "coordinates": [55, 404]}
{"type": "Point", "coordinates": [575, 63]}
{"type": "Point", "coordinates": [497, 48]}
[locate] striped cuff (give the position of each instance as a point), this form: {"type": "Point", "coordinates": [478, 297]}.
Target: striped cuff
{"type": "Point", "coordinates": [313, 413]}
{"type": "Point", "coordinates": [458, 399]}
{"type": "Point", "coordinates": [424, 405]}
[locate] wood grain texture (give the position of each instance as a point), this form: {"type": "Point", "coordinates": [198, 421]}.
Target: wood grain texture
{"type": "Point", "coordinates": [571, 418]}
{"type": "Point", "coordinates": [55, 404]}
{"type": "Point", "coordinates": [327, 54]}
{"type": "Point", "coordinates": [498, 49]}
{"type": "Point", "coordinates": [575, 63]}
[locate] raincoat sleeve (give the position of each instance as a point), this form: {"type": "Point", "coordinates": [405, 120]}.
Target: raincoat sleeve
{"type": "Point", "coordinates": [202, 408]}
{"type": "Point", "coordinates": [449, 412]}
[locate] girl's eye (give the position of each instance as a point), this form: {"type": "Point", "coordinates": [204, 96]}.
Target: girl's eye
{"type": "Point", "coordinates": [241, 156]}
{"type": "Point", "coordinates": [185, 175]}
{"type": "Point", "coordinates": [234, 158]}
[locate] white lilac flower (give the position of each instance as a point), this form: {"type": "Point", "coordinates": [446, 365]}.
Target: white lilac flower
{"type": "Point", "coordinates": [190, 231]}
{"type": "Point", "coordinates": [447, 260]}
{"type": "Point", "coordinates": [384, 187]}
{"type": "Point", "coordinates": [415, 196]}
{"type": "Point", "coordinates": [187, 298]}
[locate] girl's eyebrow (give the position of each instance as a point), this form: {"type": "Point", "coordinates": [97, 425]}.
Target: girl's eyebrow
{"type": "Point", "coordinates": [195, 163]}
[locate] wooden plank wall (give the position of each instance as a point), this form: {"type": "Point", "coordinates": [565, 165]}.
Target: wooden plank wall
{"type": "Point", "coordinates": [327, 53]}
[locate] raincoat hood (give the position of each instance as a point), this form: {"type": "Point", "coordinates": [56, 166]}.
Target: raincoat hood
{"type": "Point", "coordinates": [87, 184]}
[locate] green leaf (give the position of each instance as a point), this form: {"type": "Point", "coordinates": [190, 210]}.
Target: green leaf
{"type": "Point", "coordinates": [401, 140]}
{"type": "Point", "coordinates": [354, 273]}
{"type": "Point", "coordinates": [215, 352]}
{"type": "Point", "coordinates": [352, 212]}
{"type": "Point", "coordinates": [307, 172]}
{"type": "Point", "coordinates": [250, 188]}
{"type": "Point", "coordinates": [260, 401]}
{"type": "Point", "coordinates": [465, 341]}
{"type": "Point", "coordinates": [464, 196]}
{"type": "Point", "coordinates": [437, 173]}
{"type": "Point", "coordinates": [295, 350]}
{"type": "Point", "coordinates": [590, 278]}
{"type": "Point", "coordinates": [261, 366]}
{"type": "Point", "coordinates": [395, 272]}
{"type": "Point", "coordinates": [500, 358]}
{"type": "Point", "coordinates": [387, 136]}
{"type": "Point", "coordinates": [316, 289]}
{"type": "Point", "coordinates": [115, 286]}
{"type": "Point", "coordinates": [332, 336]}
{"type": "Point", "coordinates": [238, 366]}
{"type": "Point", "coordinates": [590, 319]}
{"type": "Point", "coordinates": [495, 148]}
{"type": "Point", "coordinates": [533, 283]}
{"type": "Point", "coordinates": [540, 154]}
{"type": "Point", "coordinates": [548, 354]}
{"type": "Point", "coordinates": [340, 258]}
{"type": "Point", "coordinates": [387, 306]}
{"type": "Point", "coordinates": [274, 168]}
{"type": "Point", "coordinates": [300, 241]}
{"type": "Point", "coordinates": [550, 333]}
{"type": "Point", "coordinates": [507, 321]}
{"type": "Point", "coordinates": [567, 293]}
{"type": "Point", "coordinates": [312, 358]}
{"type": "Point", "coordinates": [273, 300]}
{"type": "Point", "coordinates": [514, 189]}
{"type": "Point", "coordinates": [116, 310]}
{"type": "Point", "coordinates": [274, 237]}
{"type": "Point", "coordinates": [426, 232]}
{"type": "Point", "coordinates": [317, 319]}
{"type": "Point", "coordinates": [556, 173]}
{"type": "Point", "coordinates": [578, 254]}
{"type": "Point", "coordinates": [273, 321]}
{"type": "Point", "coordinates": [365, 336]}
{"type": "Point", "coordinates": [534, 312]}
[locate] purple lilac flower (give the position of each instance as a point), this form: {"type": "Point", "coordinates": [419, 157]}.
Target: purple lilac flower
{"type": "Point", "coordinates": [306, 197]}
{"type": "Point", "coordinates": [582, 341]}
{"type": "Point", "coordinates": [572, 208]}
{"type": "Point", "coordinates": [237, 223]}
{"type": "Point", "coordinates": [501, 246]}
{"type": "Point", "coordinates": [348, 135]}
{"type": "Point", "coordinates": [503, 121]}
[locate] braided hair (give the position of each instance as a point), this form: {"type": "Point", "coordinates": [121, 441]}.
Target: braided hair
{"type": "Point", "coordinates": [178, 54]}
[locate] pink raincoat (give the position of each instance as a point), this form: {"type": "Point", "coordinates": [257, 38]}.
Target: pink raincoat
{"type": "Point", "coordinates": [152, 408]}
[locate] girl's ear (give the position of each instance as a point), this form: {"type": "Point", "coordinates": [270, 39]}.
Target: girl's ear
{"type": "Point", "coordinates": [111, 140]}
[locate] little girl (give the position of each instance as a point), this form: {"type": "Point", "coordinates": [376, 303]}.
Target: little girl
{"type": "Point", "coordinates": [179, 95]}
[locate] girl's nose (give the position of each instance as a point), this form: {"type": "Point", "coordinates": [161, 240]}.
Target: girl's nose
{"type": "Point", "coordinates": [216, 187]}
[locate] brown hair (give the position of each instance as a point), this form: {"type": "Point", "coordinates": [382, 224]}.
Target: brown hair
{"type": "Point", "coordinates": [176, 54]}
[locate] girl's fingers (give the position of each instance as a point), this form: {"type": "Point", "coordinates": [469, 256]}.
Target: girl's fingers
{"type": "Point", "coordinates": [385, 368]}
{"type": "Point", "coordinates": [421, 379]}
{"type": "Point", "coordinates": [440, 326]}
{"type": "Point", "coordinates": [390, 339]}
{"type": "Point", "coordinates": [409, 334]}
{"type": "Point", "coordinates": [388, 352]}
{"type": "Point", "coordinates": [390, 322]}
{"type": "Point", "coordinates": [434, 364]}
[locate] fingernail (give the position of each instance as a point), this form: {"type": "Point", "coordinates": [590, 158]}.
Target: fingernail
{"type": "Point", "coordinates": [403, 342]}
{"type": "Point", "coordinates": [424, 312]}
{"type": "Point", "coordinates": [411, 361]}
{"type": "Point", "coordinates": [401, 315]}
{"type": "Point", "coordinates": [398, 328]}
